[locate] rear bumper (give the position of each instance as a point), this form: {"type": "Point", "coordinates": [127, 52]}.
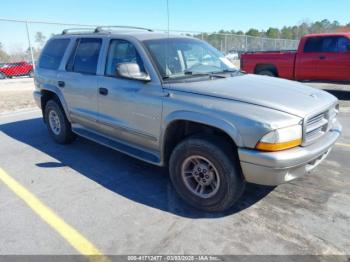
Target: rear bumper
{"type": "Point", "coordinates": [274, 168]}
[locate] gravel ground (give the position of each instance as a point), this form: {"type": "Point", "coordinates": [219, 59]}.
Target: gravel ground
{"type": "Point", "coordinates": [16, 94]}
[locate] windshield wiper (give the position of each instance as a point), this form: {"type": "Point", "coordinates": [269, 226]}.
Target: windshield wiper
{"type": "Point", "coordinates": [210, 74]}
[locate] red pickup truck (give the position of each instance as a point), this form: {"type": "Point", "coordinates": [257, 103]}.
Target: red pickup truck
{"type": "Point", "coordinates": [16, 69]}
{"type": "Point", "coordinates": [319, 57]}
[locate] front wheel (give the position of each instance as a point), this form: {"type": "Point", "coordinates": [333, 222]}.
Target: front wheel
{"type": "Point", "coordinates": [57, 123]}
{"type": "Point", "coordinates": [206, 174]}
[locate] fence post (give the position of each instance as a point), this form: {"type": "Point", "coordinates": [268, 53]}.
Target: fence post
{"type": "Point", "coordinates": [225, 44]}
{"type": "Point", "coordinates": [30, 45]}
{"type": "Point", "coordinates": [246, 43]}
{"type": "Point", "coordinates": [275, 44]}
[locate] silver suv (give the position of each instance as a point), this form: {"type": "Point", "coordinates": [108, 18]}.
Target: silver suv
{"type": "Point", "coordinates": [176, 101]}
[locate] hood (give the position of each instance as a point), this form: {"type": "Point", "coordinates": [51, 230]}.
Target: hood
{"type": "Point", "coordinates": [283, 95]}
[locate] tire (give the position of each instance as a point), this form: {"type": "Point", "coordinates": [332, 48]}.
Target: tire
{"type": "Point", "coordinates": [57, 123]}
{"type": "Point", "coordinates": [31, 74]}
{"type": "Point", "coordinates": [2, 76]}
{"type": "Point", "coordinates": [267, 73]}
{"type": "Point", "coordinates": [218, 196]}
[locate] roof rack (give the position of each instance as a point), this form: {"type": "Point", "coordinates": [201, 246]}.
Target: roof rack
{"type": "Point", "coordinates": [101, 28]}
{"type": "Point", "coordinates": [78, 30]}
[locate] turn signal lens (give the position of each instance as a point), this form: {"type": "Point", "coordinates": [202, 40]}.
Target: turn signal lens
{"type": "Point", "coordinates": [278, 146]}
{"type": "Point", "coordinates": [281, 139]}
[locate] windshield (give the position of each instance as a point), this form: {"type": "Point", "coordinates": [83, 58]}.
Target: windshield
{"type": "Point", "coordinates": [186, 57]}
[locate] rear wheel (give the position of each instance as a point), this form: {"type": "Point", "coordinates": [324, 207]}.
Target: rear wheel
{"type": "Point", "coordinates": [57, 123]}
{"type": "Point", "coordinates": [267, 73]}
{"type": "Point", "coordinates": [206, 174]}
{"type": "Point", "coordinates": [2, 76]}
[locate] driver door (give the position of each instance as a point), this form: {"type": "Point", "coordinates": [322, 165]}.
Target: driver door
{"type": "Point", "coordinates": [129, 110]}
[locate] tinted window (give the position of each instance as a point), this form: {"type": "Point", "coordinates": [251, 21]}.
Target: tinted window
{"type": "Point", "coordinates": [343, 44]}
{"type": "Point", "coordinates": [313, 45]}
{"type": "Point", "coordinates": [85, 57]}
{"type": "Point", "coordinates": [329, 44]}
{"type": "Point", "coordinates": [121, 51]}
{"type": "Point", "coordinates": [52, 54]}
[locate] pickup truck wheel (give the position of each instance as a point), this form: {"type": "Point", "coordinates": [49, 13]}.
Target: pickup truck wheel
{"type": "Point", "coordinates": [267, 73]}
{"type": "Point", "coordinates": [2, 76]}
{"type": "Point", "coordinates": [206, 174]}
{"type": "Point", "coordinates": [57, 123]}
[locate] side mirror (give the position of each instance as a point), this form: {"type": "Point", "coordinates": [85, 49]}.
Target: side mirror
{"type": "Point", "coordinates": [131, 71]}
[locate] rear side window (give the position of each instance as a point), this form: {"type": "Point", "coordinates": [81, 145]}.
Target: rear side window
{"type": "Point", "coordinates": [52, 54]}
{"type": "Point", "coordinates": [313, 45]}
{"type": "Point", "coordinates": [84, 57]}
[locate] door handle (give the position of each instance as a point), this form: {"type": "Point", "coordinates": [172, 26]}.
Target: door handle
{"type": "Point", "coordinates": [61, 84]}
{"type": "Point", "coordinates": [103, 91]}
{"type": "Point", "coordinates": [322, 57]}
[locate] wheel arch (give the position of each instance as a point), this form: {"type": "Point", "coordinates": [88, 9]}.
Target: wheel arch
{"type": "Point", "coordinates": [266, 67]}
{"type": "Point", "coordinates": [182, 124]}
{"type": "Point", "coordinates": [52, 94]}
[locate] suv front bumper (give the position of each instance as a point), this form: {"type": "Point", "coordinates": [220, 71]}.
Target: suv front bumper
{"type": "Point", "coordinates": [274, 168]}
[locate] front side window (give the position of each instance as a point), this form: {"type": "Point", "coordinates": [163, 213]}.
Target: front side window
{"type": "Point", "coordinates": [53, 53]}
{"type": "Point", "coordinates": [343, 44]}
{"type": "Point", "coordinates": [185, 57]}
{"type": "Point", "coordinates": [121, 51]}
{"type": "Point", "coordinates": [329, 45]}
{"type": "Point", "coordinates": [84, 58]}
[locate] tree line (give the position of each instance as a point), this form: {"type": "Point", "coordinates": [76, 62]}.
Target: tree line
{"type": "Point", "coordinates": [292, 32]}
{"type": "Point", "coordinates": [286, 32]}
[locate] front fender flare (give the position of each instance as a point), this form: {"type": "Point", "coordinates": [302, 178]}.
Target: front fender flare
{"type": "Point", "coordinates": [206, 119]}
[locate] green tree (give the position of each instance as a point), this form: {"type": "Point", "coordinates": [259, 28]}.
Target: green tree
{"type": "Point", "coordinates": [273, 32]}
{"type": "Point", "coordinates": [287, 33]}
{"type": "Point", "coordinates": [253, 32]}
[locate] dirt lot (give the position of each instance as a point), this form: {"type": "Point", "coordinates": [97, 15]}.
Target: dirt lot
{"type": "Point", "coordinates": [16, 94]}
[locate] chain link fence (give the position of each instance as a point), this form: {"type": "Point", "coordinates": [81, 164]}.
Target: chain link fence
{"type": "Point", "coordinates": [22, 41]}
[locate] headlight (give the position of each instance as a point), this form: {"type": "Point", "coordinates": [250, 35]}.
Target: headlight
{"type": "Point", "coordinates": [281, 139]}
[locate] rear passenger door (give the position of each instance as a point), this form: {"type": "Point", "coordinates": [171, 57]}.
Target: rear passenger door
{"type": "Point", "coordinates": [79, 82]}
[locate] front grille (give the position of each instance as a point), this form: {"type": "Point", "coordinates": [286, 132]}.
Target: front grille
{"type": "Point", "coordinates": [317, 125]}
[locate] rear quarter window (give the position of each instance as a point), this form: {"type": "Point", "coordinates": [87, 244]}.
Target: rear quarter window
{"type": "Point", "coordinates": [53, 53]}
{"type": "Point", "coordinates": [313, 45]}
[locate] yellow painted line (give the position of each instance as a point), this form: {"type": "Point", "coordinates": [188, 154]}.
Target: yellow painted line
{"type": "Point", "coordinates": [342, 144]}
{"type": "Point", "coordinates": [72, 236]}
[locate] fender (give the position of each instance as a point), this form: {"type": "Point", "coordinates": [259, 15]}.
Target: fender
{"type": "Point", "coordinates": [54, 89]}
{"type": "Point", "coordinates": [201, 118]}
